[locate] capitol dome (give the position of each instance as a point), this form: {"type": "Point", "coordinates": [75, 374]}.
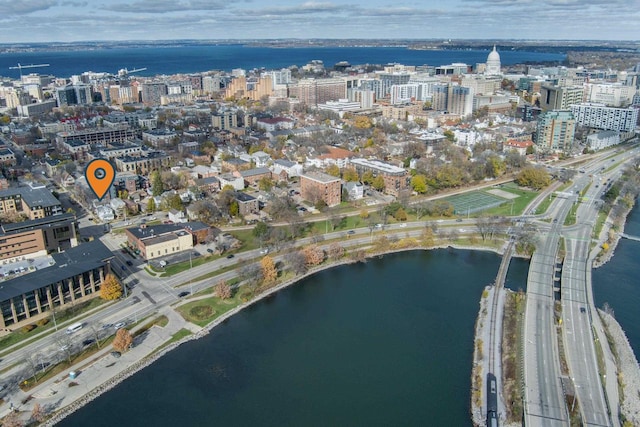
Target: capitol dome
{"type": "Point", "coordinates": [493, 63]}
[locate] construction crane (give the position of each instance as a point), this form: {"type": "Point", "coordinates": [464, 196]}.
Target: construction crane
{"type": "Point", "coordinates": [20, 67]}
{"type": "Point", "coordinates": [123, 72]}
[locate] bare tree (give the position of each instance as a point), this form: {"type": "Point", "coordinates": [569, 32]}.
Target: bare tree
{"type": "Point", "coordinates": [484, 226]}
{"type": "Point", "coordinates": [95, 333]}
{"type": "Point", "coordinates": [297, 262]}
{"type": "Point", "coordinates": [65, 344]}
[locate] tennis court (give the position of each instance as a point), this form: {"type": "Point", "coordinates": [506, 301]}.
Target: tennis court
{"type": "Point", "coordinates": [475, 201]}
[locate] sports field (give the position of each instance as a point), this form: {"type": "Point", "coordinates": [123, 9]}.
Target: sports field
{"type": "Point", "coordinates": [474, 201]}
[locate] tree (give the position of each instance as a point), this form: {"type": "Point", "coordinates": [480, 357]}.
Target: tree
{"type": "Point", "coordinates": [364, 214]}
{"type": "Point", "coordinates": [37, 413]}
{"type": "Point", "coordinates": [536, 178]}
{"type": "Point", "coordinates": [269, 271]}
{"type": "Point", "coordinates": [157, 187]}
{"type": "Point", "coordinates": [234, 208]}
{"type": "Point", "coordinates": [400, 215]}
{"type": "Point", "coordinates": [313, 255]}
{"type": "Point", "coordinates": [297, 262]}
{"type": "Point", "coordinates": [378, 183]}
{"type": "Point", "coordinates": [173, 201]}
{"type": "Point", "coordinates": [333, 170]}
{"type": "Point", "coordinates": [367, 177]}
{"type": "Point", "coordinates": [336, 251]}
{"type": "Point", "coordinates": [362, 122]}
{"type": "Point", "coordinates": [151, 206]}
{"type": "Point", "coordinates": [123, 340]}
{"type": "Point", "coordinates": [265, 184]}
{"type": "Point", "coordinates": [12, 419]}
{"type": "Point", "coordinates": [223, 290]}
{"type": "Point", "coordinates": [419, 183]}
{"type": "Point", "coordinates": [350, 175]}
{"type": "Point", "coordinates": [111, 289]}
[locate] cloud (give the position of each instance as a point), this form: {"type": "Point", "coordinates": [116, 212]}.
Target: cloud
{"type": "Point", "coordinates": [21, 7]}
{"type": "Point", "coordinates": [301, 9]}
{"type": "Point", "coordinates": [164, 6]}
{"type": "Point", "coordinates": [75, 3]}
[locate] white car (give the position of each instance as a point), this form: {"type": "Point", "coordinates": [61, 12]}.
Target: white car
{"type": "Point", "coordinates": [119, 325]}
{"type": "Point", "coordinates": [403, 225]}
{"type": "Point", "coordinates": [264, 251]}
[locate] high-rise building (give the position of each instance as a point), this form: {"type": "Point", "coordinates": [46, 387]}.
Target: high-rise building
{"type": "Point", "coordinates": [387, 80]}
{"type": "Point", "coordinates": [460, 100]}
{"type": "Point", "coordinates": [318, 91]}
{"type": "Point", "coordinates": [555, 131]}
{"type": "Point", "coordinates": [599, 116]}
{"type": "Point", "coordinates": [558, 97]}
{"type": "Point", "coordinates": [440, 97]}
{"type": "Point", "coordinates": [152, 92]}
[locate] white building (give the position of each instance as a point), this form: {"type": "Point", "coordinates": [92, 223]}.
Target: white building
{"type": "Point", "coordinates": [610, 94]}
{"type": "Point", "coordinates": [599, 116]}
{"type": "Point", "coordinates": [604, 139]}
{"type": "Point", "coordinates": [493, 63]}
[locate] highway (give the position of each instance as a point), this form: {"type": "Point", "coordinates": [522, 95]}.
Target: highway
{"type": "Point", "coordinates": [545, 403]}
{"type": "Point", "coordinates": [544, 396]}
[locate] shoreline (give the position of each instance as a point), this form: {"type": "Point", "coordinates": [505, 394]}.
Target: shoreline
{"type": "Point", "coordinates": [150, 359]}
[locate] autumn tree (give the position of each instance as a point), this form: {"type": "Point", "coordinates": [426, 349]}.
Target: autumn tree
{"type": "Point", "coordinates": [313, 255]}
{"type": "Point", "coordinates": [378, 183]}
{"type": "Point", "coordinates": [350, 175]}
{"type": "Point", "coordinates": [536, 178]}
{"type": "Point", "coordinates": [419, 183]}
{"type": "Point", "coordinates": [362, 122]}
{"type": "Point", "coordinates": [400, 215]}
{"type": "Point", "coordinates": [111, 289]}
{"type": "Point", "coordinates": [223, 290]}
{"type": "Point", "coordinates": [364, 214]}
{"type": "Point", "coordinates": [123, 340]}
{"type": "Point", "coordinates": [336, 251]}
{"type": "Point", "coordinates": [333, 170]}
{"type": "Point", "coordinates": [38, 413]}
{"type": "Point", "coordinates": [12, 419]}
{"type": "Point", "coordinates": [269, 271]}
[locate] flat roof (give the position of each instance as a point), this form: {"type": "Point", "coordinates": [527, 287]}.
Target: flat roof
{"type": "Point", "coordinates": [320, 177]}
{"type": "Point", "coordinates": [70, 263]}
{"type": "Point", "coordinates": [379, 166]}
{"type": "Point", "coordinates": [36, 223]}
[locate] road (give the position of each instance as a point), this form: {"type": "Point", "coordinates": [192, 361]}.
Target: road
{"type": "Point", "coordinates": [544, 394]}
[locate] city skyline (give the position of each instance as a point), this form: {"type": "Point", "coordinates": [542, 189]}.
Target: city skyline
{"type": "Point", "coordinates": [81, 20]}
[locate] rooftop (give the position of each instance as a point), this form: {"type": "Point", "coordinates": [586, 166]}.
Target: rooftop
{"type": "Point", "coordinates": [67, 264]}
{"type": "Point", "coordinates": [320, 177]}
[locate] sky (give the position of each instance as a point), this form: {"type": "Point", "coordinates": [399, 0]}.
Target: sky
{"type": "Point", "coordinates": [84, 20]}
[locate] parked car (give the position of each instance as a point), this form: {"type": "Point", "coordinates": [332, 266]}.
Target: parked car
{"type": "Point", "coordinates": [129, 263]}
{"type": "Point", "coordinates": [230, 256]}
{"type": "Point", "coordinates": [210, 250]}
{"type": "Point", "coordinates": [351, 232]}
{"type": "Point", "coordinates": [88, 342]}
{"type": "Point", "coordinates": [116, 354]}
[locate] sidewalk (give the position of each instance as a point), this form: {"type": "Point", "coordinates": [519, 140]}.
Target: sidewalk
{"type": "Point", "coordinates": [96, 374]}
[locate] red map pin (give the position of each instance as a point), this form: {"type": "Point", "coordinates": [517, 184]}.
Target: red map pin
{"type": "Point", "coordinates": [100, 175]}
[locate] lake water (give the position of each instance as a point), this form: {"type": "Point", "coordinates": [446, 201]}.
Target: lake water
{"type": "Point", "coordinates": [388, 342]}
{"type": "Point", "coordinates": [617, 282]}
{"type": "Point", "coordinates": [197, 58]}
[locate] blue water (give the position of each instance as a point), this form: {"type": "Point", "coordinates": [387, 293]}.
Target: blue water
{"type": "Point", "coordinates": [617, 282]}
{"type": "Point", "coordinates": [386, 343]}
{"type": "Point", "coordinates": [192, 58]}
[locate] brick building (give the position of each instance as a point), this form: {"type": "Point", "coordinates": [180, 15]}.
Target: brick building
{"type": "Point", "coordinates": [316, 186]}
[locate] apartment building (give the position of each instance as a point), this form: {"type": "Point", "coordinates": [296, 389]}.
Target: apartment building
{"type": "Point", "coordinates": [316, 186]}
